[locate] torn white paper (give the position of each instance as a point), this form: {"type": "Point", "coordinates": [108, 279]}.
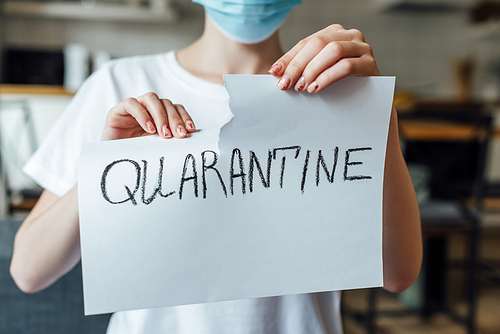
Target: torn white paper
{"type": "Point", "coordinates": [289, 202]}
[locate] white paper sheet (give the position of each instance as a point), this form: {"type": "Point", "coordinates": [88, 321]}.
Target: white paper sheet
{"type": "Point", "coordinates": [290, 228]}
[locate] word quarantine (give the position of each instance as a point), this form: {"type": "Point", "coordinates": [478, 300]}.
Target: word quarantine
{"type": "Point", "coordinates": [238, 174]}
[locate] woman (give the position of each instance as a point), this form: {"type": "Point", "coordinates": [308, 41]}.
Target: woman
{"type": "Point", "coordinates": [240, 37]}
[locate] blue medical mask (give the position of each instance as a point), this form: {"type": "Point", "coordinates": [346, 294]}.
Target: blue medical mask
{"type": "Point", "coordinates": [248, 21]}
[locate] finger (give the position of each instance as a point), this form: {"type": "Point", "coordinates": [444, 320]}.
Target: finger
{"type": "Point", "coordinates": [188, 122]}
{"type": "Point", "coordinates": [297, 65]}
{"type": "Point", "coordinates": [356, 35]}
{"type": "Point", "coordinates": [132, 107]}
{"type": "Point", "coordinates": [277, 69]}
{"type": "Point", "coordinates": [175, 122]}
{"type": "Point", "coordinates": [327, 57]}
{"type": "Point", "coordinates": [156, 109]}
{"type": "Point", "coordinates": [338, 33]}
{"type": "Point", "coordinates": [279, 66]}
{"type": "Point", "coordinates": [361, 66]}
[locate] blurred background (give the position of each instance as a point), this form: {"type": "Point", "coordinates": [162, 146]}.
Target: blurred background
{"type": "Point", "coordinates": [446, 56]}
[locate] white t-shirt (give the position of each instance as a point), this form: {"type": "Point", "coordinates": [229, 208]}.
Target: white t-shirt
{"type": "Point", "coordinates": [55, 167]}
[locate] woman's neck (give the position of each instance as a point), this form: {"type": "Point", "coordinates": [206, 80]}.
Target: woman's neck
{"type": "Point", "coordinates": [213, 55]}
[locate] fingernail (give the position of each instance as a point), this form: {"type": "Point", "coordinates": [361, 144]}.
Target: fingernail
{"type": "Point", "coordinates": [151, 127]}
{"type": "Point", "coordinates": [313, 87]}
{"type": "Point", "coordinates": [181, 130]}
{"type": "Point", "coordinates": [190, 125]}
{"type": "Point", "coordinates": [284, 82]}
{"type": "Point", "coordinates": [276, 68]}
{"type": "Point", "coordinates": [301, 84]}
{"type": "Point", "coordinates": [166, 132]}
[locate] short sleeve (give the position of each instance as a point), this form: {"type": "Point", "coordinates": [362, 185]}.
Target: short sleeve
{"type": "Point", "coordinates": [54, 166]}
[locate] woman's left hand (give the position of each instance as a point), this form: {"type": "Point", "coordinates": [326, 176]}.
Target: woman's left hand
{"type": "Point", "coordinates": [323, 58]}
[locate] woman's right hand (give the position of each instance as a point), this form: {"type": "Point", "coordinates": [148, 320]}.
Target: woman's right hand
{"type": "Point", "coordinates": [147, 115]}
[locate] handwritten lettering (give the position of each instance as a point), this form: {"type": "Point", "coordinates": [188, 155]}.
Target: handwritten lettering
{"type": "Point", "coordinates": [236, 171]}
{"type": "Point", "coordinates": [130, 194]}
{"type": "Point", "coordinates": [354, 163]}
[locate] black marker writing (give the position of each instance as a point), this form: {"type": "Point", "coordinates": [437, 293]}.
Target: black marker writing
{"type": "Point", "coordinates": [157, 189]}
{"type": "Point", "coordinates": [304, 171]}
{"type": "Point", "coordinates": [241, 173]}
{"type": "Point", "coordinates": [321, 161]}
{"type": "Point", "coordinates": [283, 159]}
{"type": "Point", "coordinates": [193, 177]}
{"type": "Point", "coordinates": [206, 167]}
{"type": "Point", "coordinates": [353, 163]}
{"type": "Point", "coordinates": [266, 181]}
{"type": "Point", "coordinates": [210, 164]}
{"type": "Point", "coordinates": [130, 194]}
